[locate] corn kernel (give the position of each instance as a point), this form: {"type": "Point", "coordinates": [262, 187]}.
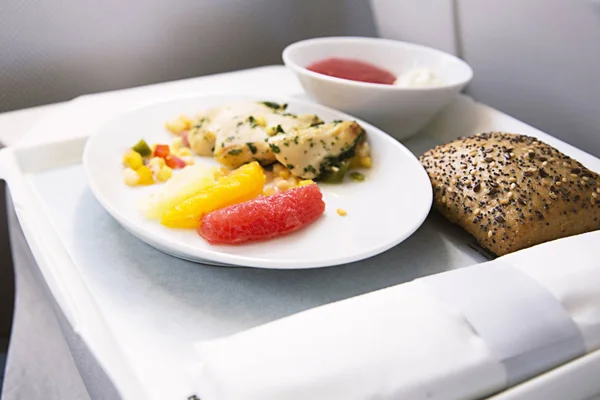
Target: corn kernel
{"type": "Point", "coordinates": [184, 152]}
{"type": "Point", "coordinates": [272, 130]}
{"type": "Point", "coordinates": [176, 144]}
{"type": "Point", "coordinates": [284, 173]}
{"type": "Point", "coordinates": [366, 162]}
{"type": "Point", "coordinates": [186, 121]}
{"type": "Point", "coordinates": [155, 164]}
{"type": "Point", "coordinates": [277, 169]}
{"type": "Point", "coordinates": [159, 161]}
{"type": "Point", "coordinates": [283, 185]}
{"type": "Point", "coordinates": [145, 175]}
{"type": "Point", "coordinates": [269, 191]}
{"type": "Point", "coordinates": [342, 213]}
{"type": "Point", "coordinates": [293, 181]}
{"type": "Point", "coordinates": [306, 182]}
{"type": "Point", "coordinates": [176, 126]}
{"type": "Point", "coordinates": [260, 121]}
{"type": "Point", "coordinates": [164, 174]}
{"type": "Point", "coordinates": [130, 177]}
{"type": "Point", "coordinates": [133, 159]}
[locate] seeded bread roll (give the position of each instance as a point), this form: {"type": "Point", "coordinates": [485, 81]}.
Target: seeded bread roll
{"type": "Point", "coordinates": [512, 191]}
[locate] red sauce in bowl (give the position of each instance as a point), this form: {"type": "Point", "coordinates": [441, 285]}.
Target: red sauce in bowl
{"type": "Point", "coordinates": [353, 70]}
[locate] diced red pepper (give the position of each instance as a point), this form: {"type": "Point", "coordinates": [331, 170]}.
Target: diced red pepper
{"type": "Point", "coordinates": [162, 151]}
{"type": "Point", "coordinates": [184, 139]}
{"type": "Point", "coordinates": [175, 162]}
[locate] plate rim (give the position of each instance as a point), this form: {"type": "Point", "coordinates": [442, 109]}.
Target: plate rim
{"type": "Point", "coordinates": [235, 260]}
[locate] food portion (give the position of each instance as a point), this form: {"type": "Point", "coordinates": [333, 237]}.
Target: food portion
{"type": "Point", "coordinates": [264, 217]}
{"type": "Point", "coordinates": [145, 165]}
{"type": "Point", "coordinates": [512, 191]}
{"type": "Point", "coordinates": [360, 71]}
{"type": "Point", "coordinates": [318, 151]}
{"type": "Point", "coordinates": [238, 133]}
{"type": "Point", "coordinates": [420, 77]}
{"type": "Point", "coordinates": [265, 132]}
{"type": "Point", "coordinates": [354, 70]}
{"type": "Point", "coordinates": [243, 184]}
{"type": "Point", "coordinates": [190, 181]}
{"type": "Point", "coordinates": [264, 188]}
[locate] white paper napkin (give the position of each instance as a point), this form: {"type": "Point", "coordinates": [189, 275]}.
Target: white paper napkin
{"type": "Point", "coordinates": [440, 337]}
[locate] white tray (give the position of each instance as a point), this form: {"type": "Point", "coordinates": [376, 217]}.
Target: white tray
{"type": "Point", "coordinates": [139, 310]}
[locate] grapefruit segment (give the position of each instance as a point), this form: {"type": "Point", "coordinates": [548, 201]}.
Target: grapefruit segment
{"type": "Point", "coordinates": [264, 217]}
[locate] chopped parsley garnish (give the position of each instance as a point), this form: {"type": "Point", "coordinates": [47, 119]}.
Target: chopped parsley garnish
{"type": "Point", "coordinates": [289, 115]}
{"type": "Point", "coordinates": [295, 139]}
{"type": "Point", "coordinates": [240, 123]}
{"type": "Point", "coordinates": [310, 168]}
{"type": "Point", "coordinates": [286, 143]}
{"type": "Point", "coordinates": [252, 147]}
{"type": "Point", "coordinates": [200, 123]}
{"type": "Point", "coordinates": [230, 138]}
{"type": "Point", "coordinates": [275, 106]}
{"type": "Point", "coordinates": [271, 104]}
{"type": "Point", "coordinates": [235, 152]}
{"type": "Point", "coordinates": [279, 129]}
{"type": "Point", "coordinates": [252, 121]}
{"type": "Point", "coordinates": [317, 123]}
{"type": "Point", "coordinates": [274, 148]}
{"type": "Point", "coordinates": [290, 166]}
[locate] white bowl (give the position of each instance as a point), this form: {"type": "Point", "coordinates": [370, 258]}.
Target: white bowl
{"type": "Point", "coordinates": [401, 111]}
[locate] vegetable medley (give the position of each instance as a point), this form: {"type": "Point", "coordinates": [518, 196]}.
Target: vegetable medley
{"type": "Point", "coordinates": [146, 165]}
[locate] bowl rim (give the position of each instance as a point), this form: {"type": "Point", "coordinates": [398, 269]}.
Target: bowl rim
{"type": "Point", "coordinates": [374, 86]}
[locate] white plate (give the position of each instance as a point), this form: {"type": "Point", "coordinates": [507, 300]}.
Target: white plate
{"type": "Point", "coordinates": [383, 210]}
